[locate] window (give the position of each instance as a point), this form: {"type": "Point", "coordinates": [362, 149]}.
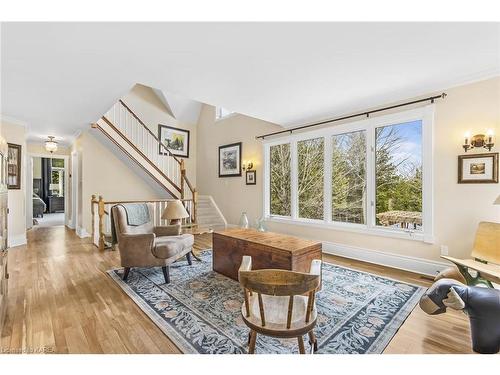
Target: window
{"type": "Point", "coordinates": [310, 178]}
{"type": "Point", "coordinates": [398, 174]}
{"type": "Point", "coordinates": [280, 173]}
{"type": "Point", "coordinates": [221, 113]}
{"type": "Point", "coordinates": [349, 177]}
{"type": "Point", "coordinates": [370, 176]}
{"type": "Point", "coordinates": [57, 182]}
{"type": "Point", "coordinates": [57, 163]}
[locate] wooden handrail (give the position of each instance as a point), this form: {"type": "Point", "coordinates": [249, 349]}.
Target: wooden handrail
{"type": "Point", "coordinates": [149, 131]}
{"type": "Point", "coordinates": [147, 201]}
{"type": "Point", "coordinates": [117, 144]}
{"type": "Point", "coordinates": [160, 143]}
{"type": "Point", "coordinates": [136, 149]}
{"type": "Point", "coordinates": [188, 183]}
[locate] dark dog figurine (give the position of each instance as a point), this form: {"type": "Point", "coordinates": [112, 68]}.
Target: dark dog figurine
{"type": "Point", "coordinates": [482, 305]}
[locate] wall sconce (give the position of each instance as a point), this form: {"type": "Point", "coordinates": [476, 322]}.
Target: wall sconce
{"type": "Point", "coordinates": [247, 165]}
{"type": "Point", "coordinates": [479, 140]}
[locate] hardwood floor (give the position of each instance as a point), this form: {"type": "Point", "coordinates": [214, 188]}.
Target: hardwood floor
{"type": "Point", "coordinates": [61, 301]}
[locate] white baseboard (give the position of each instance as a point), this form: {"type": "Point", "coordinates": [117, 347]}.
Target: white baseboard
{"type": "Point", "coordinates": [82, 233]}
{"type": "Point", "coordinates": [17, 240]}
{"type": "Point", "coordinates": [402, 262]}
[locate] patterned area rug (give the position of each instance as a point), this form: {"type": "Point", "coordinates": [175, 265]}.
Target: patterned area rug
{"type": "Point", "coordinates": [200, 309]}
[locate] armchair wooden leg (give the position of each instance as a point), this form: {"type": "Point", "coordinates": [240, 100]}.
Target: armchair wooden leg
{"type": "Point", "coordinates": [188, 257]}
{"type": "Point", "coordinates": [313, 341]}
{"type": "Point", "coordinates": [166, 274]}
{"type": "Point", "coordinates": [251, 345]}
{"type": "Point", "coordinates": [126, 270]}
{"type": "Point", "coordinates": [195, 256]}
{"type": "Point", "coordinates": [302, 350]}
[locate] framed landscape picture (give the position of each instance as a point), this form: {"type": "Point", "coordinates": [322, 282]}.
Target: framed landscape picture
{"type": "Point", "coordinates": [14, 166]}
{"type": "Point", "coordinates": [230, 160]}
{"type": "Point", "coordinates": [176, 140]}
{"type": "Point", "coordinates": [478, 168]}
{"type": "Point", "coordinates": [251, 177]}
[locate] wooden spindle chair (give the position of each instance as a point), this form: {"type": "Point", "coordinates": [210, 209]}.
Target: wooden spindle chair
{"type": "Point", "coordinates": [279, 303]}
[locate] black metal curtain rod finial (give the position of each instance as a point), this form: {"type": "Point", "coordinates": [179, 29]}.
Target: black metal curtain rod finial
{"type": "Point", "coordinates": [365, 113]}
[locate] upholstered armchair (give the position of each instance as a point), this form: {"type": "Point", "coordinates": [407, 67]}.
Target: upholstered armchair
{"type": "Point", "coordinates": [147, 245]}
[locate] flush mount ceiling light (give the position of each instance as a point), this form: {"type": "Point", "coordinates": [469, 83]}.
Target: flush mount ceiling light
{"type": "Point", "coordinates": [51, 145]}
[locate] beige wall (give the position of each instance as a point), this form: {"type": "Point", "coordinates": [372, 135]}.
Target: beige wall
{"type": "Point", "coordinates": [457, 207]}
{"type": "Point", "coordinates": [37, 167]}
{"type": "Point", "coordinates": [15, 133]}
{"type": "Point", "coordinates": [231, 194]}
{"type": "Point", "coordinates": [146, 105]}
{"type": "Point", "coordinates": [103, 173]}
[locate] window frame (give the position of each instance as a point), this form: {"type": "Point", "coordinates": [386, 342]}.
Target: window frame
{"type": "Point", "coordinates": [223, 117]}
{"type": "Point", "coordinates": [424, 114]}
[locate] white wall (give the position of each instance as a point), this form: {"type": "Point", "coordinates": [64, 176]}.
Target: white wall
{"type": "Point", "coordinates": [16, 133]}
{"type": "Point", "coordinates": [458, 208]}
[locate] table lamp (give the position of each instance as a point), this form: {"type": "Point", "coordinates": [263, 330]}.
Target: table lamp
{"type": "Point", "coordinates": [497, 201]}
{"type": "Point", "coordinates": [174, 212]}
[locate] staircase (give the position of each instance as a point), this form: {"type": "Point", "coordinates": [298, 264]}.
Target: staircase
{"type": "Point", "coordinates": [208, 214]}
{"type": "Point", "coordinates": [134, 139]}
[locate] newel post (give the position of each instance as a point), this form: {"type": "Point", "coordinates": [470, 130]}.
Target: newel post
{"type": "Point", "coordinates": [101, 213]}
{"type": "Point", "coordinates": [93, 201]}
{"type": "Point", "coordinates": [183, 176]}
{"type": "Point", "coordinates": [195, 200]}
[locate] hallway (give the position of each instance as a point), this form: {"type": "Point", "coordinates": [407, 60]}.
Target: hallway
{"type": "Point", "coordinates": [61, 301]}
{"type": "Point", "coordinates": [50, 220]}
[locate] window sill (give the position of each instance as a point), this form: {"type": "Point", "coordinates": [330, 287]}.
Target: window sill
{"type": "Point", "coordinates": [354, 228]}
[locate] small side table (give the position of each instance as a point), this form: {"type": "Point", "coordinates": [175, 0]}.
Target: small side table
{"type": "Point", "coordinates": [196, 230]}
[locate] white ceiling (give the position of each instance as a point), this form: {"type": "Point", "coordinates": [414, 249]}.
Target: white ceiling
{"type": "Point", "coordinates": [59, 77]}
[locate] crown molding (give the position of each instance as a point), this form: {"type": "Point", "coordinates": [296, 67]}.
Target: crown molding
{"type": "Point", "coordinates": [14, 121]}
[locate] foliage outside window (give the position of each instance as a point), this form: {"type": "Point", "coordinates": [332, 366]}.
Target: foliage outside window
{"type": "Point", "coordinates": [57, 182]}
{"type": "Point", "coordinates": [280, 175]}
{"type": "Point", "coordinates": [310, 155]}
{"type": "Point", "coordinates": [349, 177]}
{"type": "Point", "coordinates": [55, 177]}
{"type": "Point", "coordinates": [57, 163]}
{"type": "Point", "coordinates": [398, 172]}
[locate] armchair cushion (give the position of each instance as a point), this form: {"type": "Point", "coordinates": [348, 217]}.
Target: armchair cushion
{"type": "Point", "coordinates": [167, 230]}
{"type": "Point", "coordinates": [165, 247]}
{"type": "Point", "coordinates": [135, 249]}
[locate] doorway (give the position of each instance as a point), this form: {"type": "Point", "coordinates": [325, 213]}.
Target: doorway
{"type": "Point", "coordinates": [49, 191]}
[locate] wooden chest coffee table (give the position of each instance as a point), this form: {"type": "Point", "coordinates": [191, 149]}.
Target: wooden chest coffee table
{"type": "Point", "coordinates": [267, 249]}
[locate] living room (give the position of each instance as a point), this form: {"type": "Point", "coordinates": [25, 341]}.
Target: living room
{"type": "Point", "coordinates": [335, 195]}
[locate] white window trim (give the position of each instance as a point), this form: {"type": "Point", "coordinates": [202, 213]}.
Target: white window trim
{"type": "Point", "coordinates": [228, 115]}
{"type": "Point", "coordinates": [425, 114]}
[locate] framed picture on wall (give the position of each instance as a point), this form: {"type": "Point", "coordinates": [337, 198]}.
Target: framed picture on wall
{"type": "Point", "coordinates": [14, 166]}
{"type": "Point", "coordinates": [176, 140]}
{"type": "Point", "coordinates": [251, 177]}
{"type": "Point", "coordinates": [230, 160]}
{"type": "Point", "coordinates": [478, 168]}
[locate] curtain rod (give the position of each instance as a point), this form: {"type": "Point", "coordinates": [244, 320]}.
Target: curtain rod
{"type": "Point", "coordinates": [366, 113]}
